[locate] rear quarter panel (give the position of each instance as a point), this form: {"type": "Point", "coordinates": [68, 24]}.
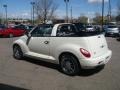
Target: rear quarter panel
{"type": "Point", "coordinates": [59, 45]}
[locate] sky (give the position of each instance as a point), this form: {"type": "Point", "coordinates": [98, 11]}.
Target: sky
{"type": "Point", "coordinates": [22, 8]}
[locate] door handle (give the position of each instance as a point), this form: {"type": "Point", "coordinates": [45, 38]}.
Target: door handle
{"type": "Point", "coordinates": [46, 42]}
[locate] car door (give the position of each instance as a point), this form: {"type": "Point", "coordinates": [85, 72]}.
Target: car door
{"type": "Point", "coordinates": [39, 41]}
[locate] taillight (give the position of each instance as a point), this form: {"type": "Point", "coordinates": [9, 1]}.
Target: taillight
{"type": "Point", "coordinates": [85, 53]}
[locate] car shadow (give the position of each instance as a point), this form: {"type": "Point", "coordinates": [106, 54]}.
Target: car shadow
{"type": "Point", "coordinates": [42, 63]}
{"type": "Point", "coordinates": [83, 72]}
{"type": "Point", "coordinates": [8, 87]}
{"type": "Point", "coordinates": [90, 72]}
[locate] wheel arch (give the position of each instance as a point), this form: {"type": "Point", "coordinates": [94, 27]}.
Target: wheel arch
{"type": "Point", "coordinates": [22, 45]}
{"type": "Point", "coordinates": [70, 54]}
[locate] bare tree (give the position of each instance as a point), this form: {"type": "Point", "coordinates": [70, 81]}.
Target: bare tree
{"type": "Point", "coordinates": [45, 9]}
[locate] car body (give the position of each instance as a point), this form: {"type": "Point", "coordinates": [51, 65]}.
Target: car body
{"type": "Point", "coordinates": [12, 32]}
{"type": "Point", "coordinates": [111, 30]}
{"type": "Point", "coordinates": [66, 45]}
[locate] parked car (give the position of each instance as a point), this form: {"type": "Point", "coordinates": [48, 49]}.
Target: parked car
{"type": "Point", "coordinates": [29, 27]}
{"type": "Point", "coordinates": [12, 32]}
{"type": "Point", "coordinates": [2, 27]}
{"type": "Point", "coordinates": [90, 28]}
{"type": "Point", "coordinates": [63, 44]}
{"type": "Point", "coordinates": [118, 38]}
{"type": "Point", "coordinates": [80, 26]}
{"type": "Point", "coordinates": [112, 30]}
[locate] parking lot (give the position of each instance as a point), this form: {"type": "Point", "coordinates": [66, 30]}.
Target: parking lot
{"type": "Point", "coordinates": [37, 75]}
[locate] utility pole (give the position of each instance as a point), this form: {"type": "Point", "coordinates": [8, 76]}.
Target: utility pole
{"type": "Point", "coordinates": [33, 10]}
{"type": "Point", "coordinates": [66, 2]}
{"type": "Point", "coordinates": [6, 19]}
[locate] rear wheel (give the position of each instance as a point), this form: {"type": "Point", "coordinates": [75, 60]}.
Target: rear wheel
{"type": "Point", "coordinates": [69, 64]}
{"type": "Point", "coordinates": [17, 52]}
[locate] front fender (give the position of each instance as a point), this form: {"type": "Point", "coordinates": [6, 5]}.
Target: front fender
{"type": "Point", "coordinates": [23, 45]}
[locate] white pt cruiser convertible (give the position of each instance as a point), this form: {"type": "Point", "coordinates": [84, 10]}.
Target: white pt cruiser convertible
{"type": "Point", "coordinates": [66, 45]}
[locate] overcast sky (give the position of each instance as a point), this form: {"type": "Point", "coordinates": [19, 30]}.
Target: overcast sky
{"type": "Point", "coordinates": [22, 8]}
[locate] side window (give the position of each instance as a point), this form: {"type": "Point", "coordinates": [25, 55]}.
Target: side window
{"type": "Point", "coordinates": [41, 31]}
{"type": "Point", "coordinates": [66, 30]}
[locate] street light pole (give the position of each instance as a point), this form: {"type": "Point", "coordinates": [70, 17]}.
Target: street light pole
{"type": "Point", "coordinates": [66, 2]}
{"type": "Point", "coordinates": [109, 11]}
{"type": "Point", "coordinates": [102, 13]}
{"type": "Point", "coordinates": [33, 10]}
{"type": "Point", "coordinates": [71, 14]}
{"type": "Point", "coordinates": [6, 21]}
{"type": "Point", "coordinates": [31, 15]}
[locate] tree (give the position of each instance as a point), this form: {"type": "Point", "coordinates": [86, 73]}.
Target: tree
{"type": "Point", "coordinates": [83, 19]}
{"type": "Point", "coordinates": [45, 9]}
{"type": "Point", "coordinates": [98, 19]}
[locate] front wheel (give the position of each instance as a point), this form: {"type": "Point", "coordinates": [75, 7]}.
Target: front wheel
{"type": "Point", "coordinates": [69, 64]}
{"type": "Point", "coordinates": [17, 52]}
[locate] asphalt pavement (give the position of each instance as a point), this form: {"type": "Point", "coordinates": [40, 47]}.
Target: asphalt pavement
{"type": "Point", "coordinates": [31, 74]}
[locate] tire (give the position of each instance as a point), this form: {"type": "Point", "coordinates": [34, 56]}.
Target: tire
{"type": "Point", "coordinates": [17, 52]}
{"type": "Point", "coordinates": [69, 64]}
{"type": "Point", "coordinates": [10, 35]}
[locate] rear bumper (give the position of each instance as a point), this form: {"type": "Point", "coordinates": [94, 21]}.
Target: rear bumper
{"type": "Point", "coordinates": [94, 62]}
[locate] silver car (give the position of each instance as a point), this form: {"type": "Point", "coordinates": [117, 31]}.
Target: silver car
{"type": "Point", "coordinates": [112, 30]}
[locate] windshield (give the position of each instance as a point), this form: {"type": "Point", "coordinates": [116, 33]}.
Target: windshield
{"type": "Point", "coordinates": [112, 26]}
{"type": "Point", "coordinates": [42, 30]}
{"type": "Point", "coordinates": [30, 27]}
